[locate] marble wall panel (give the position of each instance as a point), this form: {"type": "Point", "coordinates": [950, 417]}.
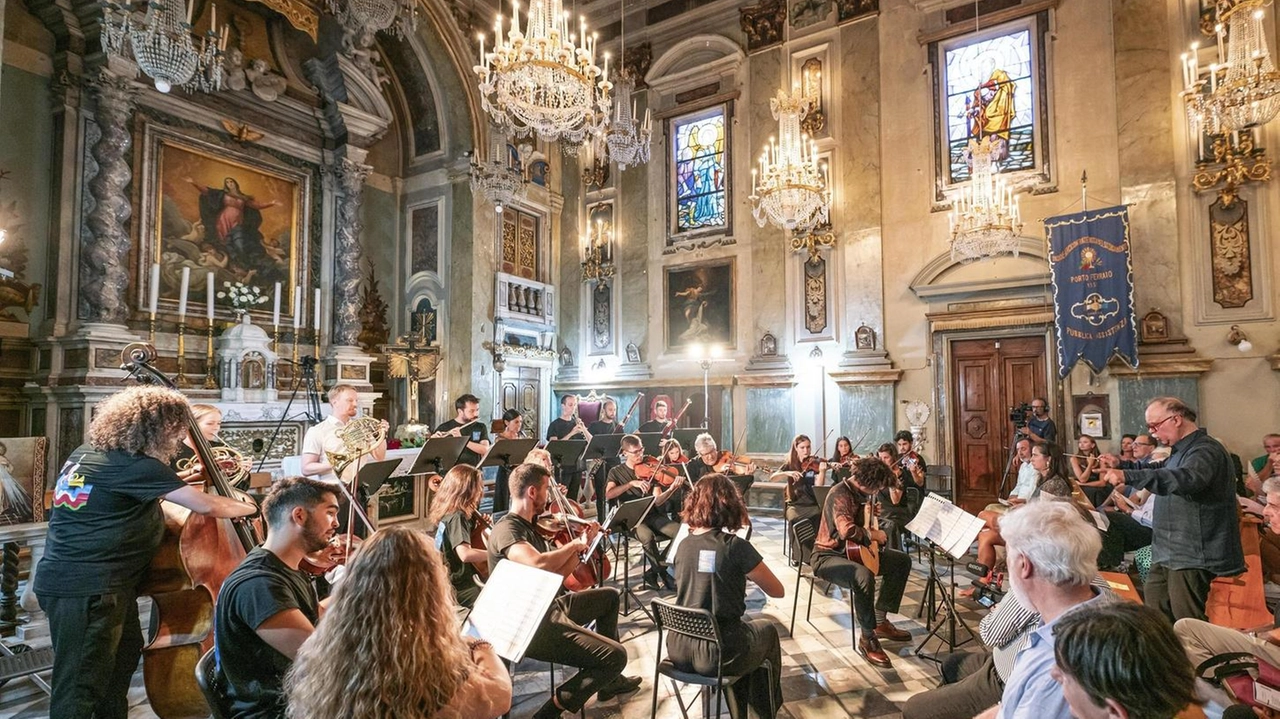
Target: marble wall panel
{"type": "Point", "coordinates": [770, 420]}
{"type": "Point", "coordinates": [1136, 393]}
{"type": "Point", "coordinates": [866, 409]}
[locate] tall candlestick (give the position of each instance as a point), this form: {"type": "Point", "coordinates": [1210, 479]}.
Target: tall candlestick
{"type": "Point", "coordinates": [154, 297]}
{"type": "Point", "coordinates": [316, 326]}
{"type": "Point", "coordinates": [275, 308]}
{"type": "Point", "coordinates": [297, 309]}
{"type": "Point", "coordinates": [209, 296]}
{"type": "Point", "coordinates": [182, 293]}
{"type": "Point", "coordinates": [181, 378]}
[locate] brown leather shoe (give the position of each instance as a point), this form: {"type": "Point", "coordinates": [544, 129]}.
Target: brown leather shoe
{"type": "Point", "coordinates": [885, 630]}
{"type": "Point", "coordinates": [869, 648]}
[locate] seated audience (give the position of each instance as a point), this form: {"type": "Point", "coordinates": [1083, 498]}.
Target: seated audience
{"type": "Point", "coordinates": [396, 599]}
{"type": "Point", "coordinates": [267, 606]}
{"type": "Point", "coordinates": [1128, 526]}
{"type": "Point", "coordinates": [1052, 558]}
{"type": "Point", "coordinates": [1121, 661]}
{"type": "Point", "coordinates": [1085, 468]}
{"type": "Point", "coordinates": [1052, 479]}
{"type": "Point", "coordinates": [712, 568]}
{"type": "Point", "coordinates": [1023, 488]}
{"type": "Point", "coordinates": [1126, 446]}
{"type": "Point", "coordinates": [455, 510]}
{"type": "Point", "coordinates": [1264, 466]}
{"type": "Point", "coordinates": [844, 523]}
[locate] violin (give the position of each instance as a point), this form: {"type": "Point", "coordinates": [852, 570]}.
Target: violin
{"type": "Point", "coordinates": [340, 548]}
{"type": "Point", "coordinates": [728, 463]}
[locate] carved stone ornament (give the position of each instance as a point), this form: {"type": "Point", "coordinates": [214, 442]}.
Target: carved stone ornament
{"type": "Point", "coordinates": [104, 274]}
{"type": "Point", "coordinates": [763, 24]}
{"type": "Point", "coordinates": [349, 177]}
{"type": "Point", "coordinates": [1154, 328]}
{"type": "Point", "coordinates": [815, 294]}
{"type": "Point", "coordinates": [266, 85]}
{"type": "Point", "coordinates": [566, 357]}
{"type": "Point", "coordinates": [850, 10]}
{"type": "Point", "coordinates": [768, 345]}
{"type": "Point", "coordinates": [633, 353]}
{"type": "Point", "coordinates": [636, 61]}
{"type": "Point", "coordinates": [1230, 255]}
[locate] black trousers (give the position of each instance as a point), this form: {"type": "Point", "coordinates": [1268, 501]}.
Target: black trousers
{"type": "Point", "coordinates": [501, 492]}
{"type": "Point", "coordinates": [1124, 534]}
{"type": "Point", "coordinates": [563, 639]}
{"type": "Point", "coordinates": [97, 641]}
{"type": "Point", "coordinates": [752, 649]}
{"type": "Point", "coordinates": [894, 568]}
{"type": "Point", "coordinates": [648, 532]}
{"type": "Point", "coordinates": [970, 686]}
{"type": "Point", "coordinates": [1179, 593]}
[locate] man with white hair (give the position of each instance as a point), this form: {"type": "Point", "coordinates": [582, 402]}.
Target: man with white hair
{"type": "Point", "coordinates": [1051, 555]}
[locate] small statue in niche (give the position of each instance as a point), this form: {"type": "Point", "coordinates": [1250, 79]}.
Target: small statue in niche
{"type": "Point", "coordinates": [864, 338]}
{"type": "Point", "coordinates": [566, 357]}
{"type": "Point", "coordinates": [267, 86]}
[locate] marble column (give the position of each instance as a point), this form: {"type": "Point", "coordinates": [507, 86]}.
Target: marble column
{"type": "Point", "coordinates": [349, 178]}
{"type": "Point", "coordinates": [104, 271]}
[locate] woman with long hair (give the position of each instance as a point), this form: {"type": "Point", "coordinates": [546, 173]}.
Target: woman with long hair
{"type": "Point", "coordinates": [512, 428]}
{"type": "Point", "coordinates": [896, 508]}
{"type": "Point", "coordinates": [803, 470]}
{"type": "Point", "coordinates": [842, 461]}
{"type": "Point", "coordinates": [750, 648]}
{"type": "Point", "coordinates": [395, 603]}
{"type": "Point", "coordinates": [455, 510]}
{"type": "Point", "coordinates": [1086, 468]}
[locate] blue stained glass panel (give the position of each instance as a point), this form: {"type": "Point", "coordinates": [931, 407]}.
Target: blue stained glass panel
{"type": "Point", "coordinates": [989, 93]}
{"type": "Point", "coordinates": [700, 172]}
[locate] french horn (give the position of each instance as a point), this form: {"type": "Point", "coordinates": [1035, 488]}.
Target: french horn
{"type": "Point", "coordinates": [358, 437]}
{"type": "Point", "coordinates": [233, 464]}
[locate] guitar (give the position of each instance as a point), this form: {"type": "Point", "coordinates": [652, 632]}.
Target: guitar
{"type": "Point", "coordinates": [868, 556]}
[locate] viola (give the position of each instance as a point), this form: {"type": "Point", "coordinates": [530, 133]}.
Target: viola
{"type": "Point", "coordinates": [728, 463]}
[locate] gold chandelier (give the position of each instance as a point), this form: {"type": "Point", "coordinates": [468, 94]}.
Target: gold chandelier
{"type": "Point", "coordinates": [791, 189]}
{"type": "Point", "coordinates": [985, 220]}
{"type": "Point", "coordinates": [545, 82]}
{"type": "Point", "coordinates": [1243, 88]}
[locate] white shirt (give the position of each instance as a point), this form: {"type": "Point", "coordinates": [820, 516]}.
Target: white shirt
{"type": "Point", "coordinates": [322, 437]}
{"type": "Point", "coordinates": [1027, 478]}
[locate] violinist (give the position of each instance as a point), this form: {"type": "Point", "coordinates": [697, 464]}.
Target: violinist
{"type": "Point", "coordinates": [739, 470]}
{"type": "Point", "coordinates": [625, 483]}
{"type": "Point", "coordinates": [466, 423]}
{"type": "Point", "coordinates": [569, 426]}
{"type": "Point", "coordinates": [671, 485]}
{"type": "Point", "coordinates": [659, 420]}
{"type": "Point", "coordinates": [562, 637]}
{"type": "Point", "coordinates": [896, 507]}
{"type": "Point", "coordinates": [456, 511]}
{"type": "Point", "coordinates": [512, 428]}
{"type": "Point", "coordinates": [841, 462]}
{"type": "Point", "coordinates": [267, 606]}
{"type": "Point", "coordinates": [803, 471]}
{"type": "Point", "coordinates": [104, 529]}
{"type": "Point", "coordinates": [907, 453]}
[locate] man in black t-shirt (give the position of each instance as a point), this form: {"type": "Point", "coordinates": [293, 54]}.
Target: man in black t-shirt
{"type": "Point", "coordinates": [562, 638]}
{"type": "Point", "coordinates": [267, 606]}
{"type": "Point", "coordinates": [104, 530]}
{"type": "Point", "coordinates": [1040, 427]}
{"type": "Point", "coordinates": [623, 485]}
{"type": "Point", "coordinates": [467, 422]}
{"type": "Point", "coordinates": [607, 424]}
{"type": "Point", "coordinates": [658, 421]}
{"type": "Point", "coordinates": [569, 426]}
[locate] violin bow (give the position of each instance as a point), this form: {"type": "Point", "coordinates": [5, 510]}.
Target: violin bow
{"type": "Point", "coordinates": [854, 447]}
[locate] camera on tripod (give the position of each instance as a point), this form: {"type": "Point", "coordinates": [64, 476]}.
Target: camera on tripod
{"type": "Point", "coordinates": [986, 592]}
{"type": "Point", "coordinates": [1019, 414]}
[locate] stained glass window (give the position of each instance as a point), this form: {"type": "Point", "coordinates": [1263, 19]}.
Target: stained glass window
{"type": "Point", "coordinates": [988, 86]}
{"type": "Point", "coordinates": [700, 171]}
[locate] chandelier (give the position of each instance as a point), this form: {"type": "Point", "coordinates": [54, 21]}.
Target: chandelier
{"type": "Point", "coordinates": [791, 189]}
{"type": "Point", "coordinates": [985, 220]}
{"type": "Point", "coordinates": [1243, 88]}
{"type": "Point", "coordinates": [162, 46]}
{"type": "Point", "coordinates": [496, 177]}
{"type": "Point", "coordinates": [628, 141]}
{"type": "Point", "coordinates": [545, 82]}
{"type": "Point", "coordinates": [398, 16]}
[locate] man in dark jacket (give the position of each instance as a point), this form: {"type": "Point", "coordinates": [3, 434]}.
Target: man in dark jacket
{"type": "Point", "coordinates": [1196, 534]}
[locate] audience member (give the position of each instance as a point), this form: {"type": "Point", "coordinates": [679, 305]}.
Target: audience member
{"type": "Point", "coordinates": [1085, 467]}
{"type": "Point", "coordinates": [1264, 466]}
{"type": "Point", "coordinates": [1126, 446]}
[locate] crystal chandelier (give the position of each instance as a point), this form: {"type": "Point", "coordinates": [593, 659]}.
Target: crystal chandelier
{"type": "Point", "coordinates": [1243, 89]}
{"type": "Point", "coordinates": [398, 16]}
{"type": "Point", "coordinates": [628, 141]}
{"type": "Point", "coordinates": [162, 46]}
{"type": "Point", "coordinates": [495, 177]}
{"type": "Point", "coordinates": [791, 189]}
{"type": "Point", "coordinates": [545, 82]}
{"type": "Point", "coordinates": [985, 220]}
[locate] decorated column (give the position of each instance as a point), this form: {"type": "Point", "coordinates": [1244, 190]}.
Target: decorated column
{"type": "Point", "coordinates": [349, 178]}
{"type": "Point", "coordinates": [104, 271]}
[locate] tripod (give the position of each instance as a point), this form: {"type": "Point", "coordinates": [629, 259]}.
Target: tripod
{"type": "Point", "coordinates": [947, 606]}
{"type": "Point", "coordinates": [1008, 463]}
{"type": "Point", "coordinates": [306, 377]}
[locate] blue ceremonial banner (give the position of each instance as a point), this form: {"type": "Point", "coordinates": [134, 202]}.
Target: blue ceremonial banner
{"type": "Point", "coordinates": [1092, 288]}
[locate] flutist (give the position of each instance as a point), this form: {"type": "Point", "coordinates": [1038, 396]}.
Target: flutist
{"type": "Point", "coordinates": [467, 424]}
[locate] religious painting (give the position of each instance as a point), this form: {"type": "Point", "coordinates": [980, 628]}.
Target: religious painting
{"type": "Point", "coordinates": [990, 86]}
{"type": "Point", "coordinates": [22, 470]}
{"type": "Point", "coordinates": [215, 210]}
{"type": "Point", "coordinates": [424, 238]}
{"type": "Point", "coordinates": [700, 171]}
{"type": "Point", "coordinates": [700, 305]}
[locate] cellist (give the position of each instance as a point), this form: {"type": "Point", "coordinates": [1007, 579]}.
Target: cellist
{"type": "Point", "coordinates": [104, 530]}
{"type": "Point", "coordinates": [562, 637]}
{"type": "Point", "coordinates": [456, 509]}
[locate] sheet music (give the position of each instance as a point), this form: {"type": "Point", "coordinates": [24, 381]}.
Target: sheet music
{"type": "Point", "coordinates": [946, 525]}
{"type": "Point", "coordinates": [406, 461]}
{"type": "Point", "coordinates": [510, 625]}
{"type": "Point", "coordinates": [683, 532]}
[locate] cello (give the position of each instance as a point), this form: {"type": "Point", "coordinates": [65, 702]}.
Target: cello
{"type": "Point", "coordinates": [563, 527]}
{"type": "Point", "coordinates": [194, 558]}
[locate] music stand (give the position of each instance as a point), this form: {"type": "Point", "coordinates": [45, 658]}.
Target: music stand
{"type": "Point", "coordinates": [371, 476]}
{"type": "Point", "coordinates": [602, 448]}
{"type": "Point", "coordinates": [949, 531]}
{"type": "Point", "coordinates": [652, 442]}
{"type": "Point", "coordinates": [438, 455]}
{"type": "Point", "coordinates": [507, 452]}
{"type": "Point", "coordinates": [621, 522]}
{"type": "Point", "coordinates": [566, 452]}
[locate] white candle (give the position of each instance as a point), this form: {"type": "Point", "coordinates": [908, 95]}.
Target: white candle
{"type": "Point", "coordinates": [297, 307]}
{"type": "Point", "coordinates": [275, 308]}
{"type": "Point", "coordinates": [317, 324]}
{"type": "Point", "coordinates": [154, 297]}
{"type": "Point", "coordinates": [209, 296]}
{"type": "Point", "coordinates": [182, 293]}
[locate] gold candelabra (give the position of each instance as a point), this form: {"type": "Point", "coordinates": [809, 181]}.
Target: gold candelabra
{"type": "Point", "coordinates": [1236, 161]}
{"type": "Point", "coordinates": [319, 375]}
{"type": "Point", "coordinates": [210, 382]}
{"type": "Point", "coordinates": [181, 378]}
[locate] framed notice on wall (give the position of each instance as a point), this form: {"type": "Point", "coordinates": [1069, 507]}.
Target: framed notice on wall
{"type": "Point", "coordinates": [1092, 414]}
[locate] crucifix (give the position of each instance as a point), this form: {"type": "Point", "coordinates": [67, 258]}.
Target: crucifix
{"type": "Point", "coordinates": [412, 357]}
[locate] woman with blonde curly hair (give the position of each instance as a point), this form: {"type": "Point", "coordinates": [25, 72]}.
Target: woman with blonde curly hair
{"type": "Point", "coordinates": [395, 604]}
{"type": "Point", "coordinates": [104, 529]}
{"type": "Point", "coordinates": [456, 510]}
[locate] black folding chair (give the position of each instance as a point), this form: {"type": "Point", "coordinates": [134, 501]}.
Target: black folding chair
{"type": "Point", "coordinates": [211, 687]}
{"type": "Point", "coordinates": [698, 624]}
{"type": "Point", "coordinates": [803, 534]}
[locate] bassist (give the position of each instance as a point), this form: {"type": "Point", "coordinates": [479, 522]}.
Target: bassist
{"type": "Point", "coordinates": [844, 524]}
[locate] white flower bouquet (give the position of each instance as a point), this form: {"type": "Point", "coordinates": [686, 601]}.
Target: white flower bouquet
{"type": "Point", "coordinates": [242, 297]}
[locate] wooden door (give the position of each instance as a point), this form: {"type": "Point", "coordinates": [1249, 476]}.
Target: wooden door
{"type": "Point", "coordinates": [988, 377]}
{"type": "Point", "coordinates": [519, 246]}
{"type": "Point", "coordinates": [521, 388]}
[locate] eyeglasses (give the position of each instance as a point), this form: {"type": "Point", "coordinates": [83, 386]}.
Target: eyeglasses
{"type": "Point", "coordinates": [1154, 427]}
{"type": "Point", "coordinates": [633, 451]}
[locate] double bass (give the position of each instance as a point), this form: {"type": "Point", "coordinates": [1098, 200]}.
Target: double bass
{"type": "Point", "coordinates": [186, 573]}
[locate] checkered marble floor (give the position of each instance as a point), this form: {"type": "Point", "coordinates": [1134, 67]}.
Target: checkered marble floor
{"type": "Point", "coordinates": [821, 677]}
